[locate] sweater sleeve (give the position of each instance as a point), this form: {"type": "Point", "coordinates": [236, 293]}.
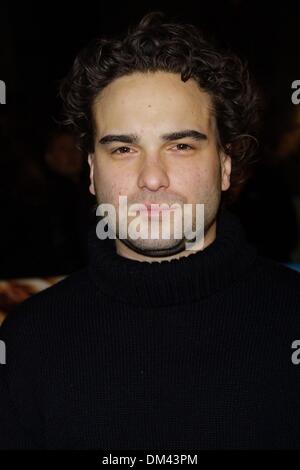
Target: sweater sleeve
{"type": "Point", "coordinates": [20, 419]}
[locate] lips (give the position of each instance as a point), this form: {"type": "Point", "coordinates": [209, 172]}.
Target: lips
{"type": "Point", "coordinates": [155, 213]}
{"type": "Point", "coordinates": [154, 209]}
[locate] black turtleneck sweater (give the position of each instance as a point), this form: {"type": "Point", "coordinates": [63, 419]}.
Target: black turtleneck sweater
{"type": "Point", "coordinates": [192, 353]}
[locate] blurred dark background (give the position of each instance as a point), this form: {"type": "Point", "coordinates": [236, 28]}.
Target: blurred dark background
{"type": "Point", "coordinates": [44, 200]}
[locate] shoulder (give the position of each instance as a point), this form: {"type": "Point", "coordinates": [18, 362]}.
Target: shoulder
{"type": "Point", "coordinates": [47, 309]}
{"type": "Point", "coordinates": [277, 284]}
{"type": "Point", "coordinates": [278, 273]}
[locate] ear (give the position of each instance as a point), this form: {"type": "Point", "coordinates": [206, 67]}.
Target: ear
{"type": "Point", "coordinates": [225, 170]}
{"type": "Point", "coordinates": [91, 159]}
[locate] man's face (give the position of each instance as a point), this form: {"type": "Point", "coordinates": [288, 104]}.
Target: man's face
{"type": "Point", "coordinates": [153, 168]}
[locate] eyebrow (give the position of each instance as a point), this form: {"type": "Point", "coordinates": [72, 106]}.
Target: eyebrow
{"type": "Point", "coordinates": [133, 138]}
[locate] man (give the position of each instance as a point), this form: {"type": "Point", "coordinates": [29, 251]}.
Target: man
{"type": "Point", "coordinates": [159, 343]}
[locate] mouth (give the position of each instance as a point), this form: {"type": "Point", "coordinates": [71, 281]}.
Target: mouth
{"type": "Point", "coordinates": [154, 209]}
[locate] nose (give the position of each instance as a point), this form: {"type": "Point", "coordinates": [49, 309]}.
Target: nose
{"type": "Point", "coordinates": [153, 176]}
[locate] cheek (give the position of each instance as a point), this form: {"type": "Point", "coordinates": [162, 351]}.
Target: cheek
{"type": "Point", "coordinates": [210, 173]}
{"type": "Point", "coordinates": [199, 183]}
{"type": "Point", "coordinates": [111, 184]}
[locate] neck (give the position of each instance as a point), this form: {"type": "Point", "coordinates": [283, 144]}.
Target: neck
{"type": "Point", "coordinates": [227, 260]}
{"type": "Point", "coordinates": [124, 250]}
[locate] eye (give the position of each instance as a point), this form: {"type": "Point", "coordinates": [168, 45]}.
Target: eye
{"type": "Point", "coordinates": [184, 147]}
{"type": "Point", "coordinates": [121, 149]}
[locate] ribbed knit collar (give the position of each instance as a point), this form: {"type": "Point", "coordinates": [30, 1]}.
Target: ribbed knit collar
{"type": "Point", "coordinates": [179, 281]}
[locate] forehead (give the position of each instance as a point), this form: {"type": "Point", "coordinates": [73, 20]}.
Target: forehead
{"type": "Point", "coordinates": [152, 100]}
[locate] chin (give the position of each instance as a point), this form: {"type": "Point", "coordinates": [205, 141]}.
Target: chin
{"type": "Point", "coordinates": [155, 248]}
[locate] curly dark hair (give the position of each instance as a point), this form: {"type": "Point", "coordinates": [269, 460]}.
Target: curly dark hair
{"type": "Point", "coordinates": [154, 45]}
